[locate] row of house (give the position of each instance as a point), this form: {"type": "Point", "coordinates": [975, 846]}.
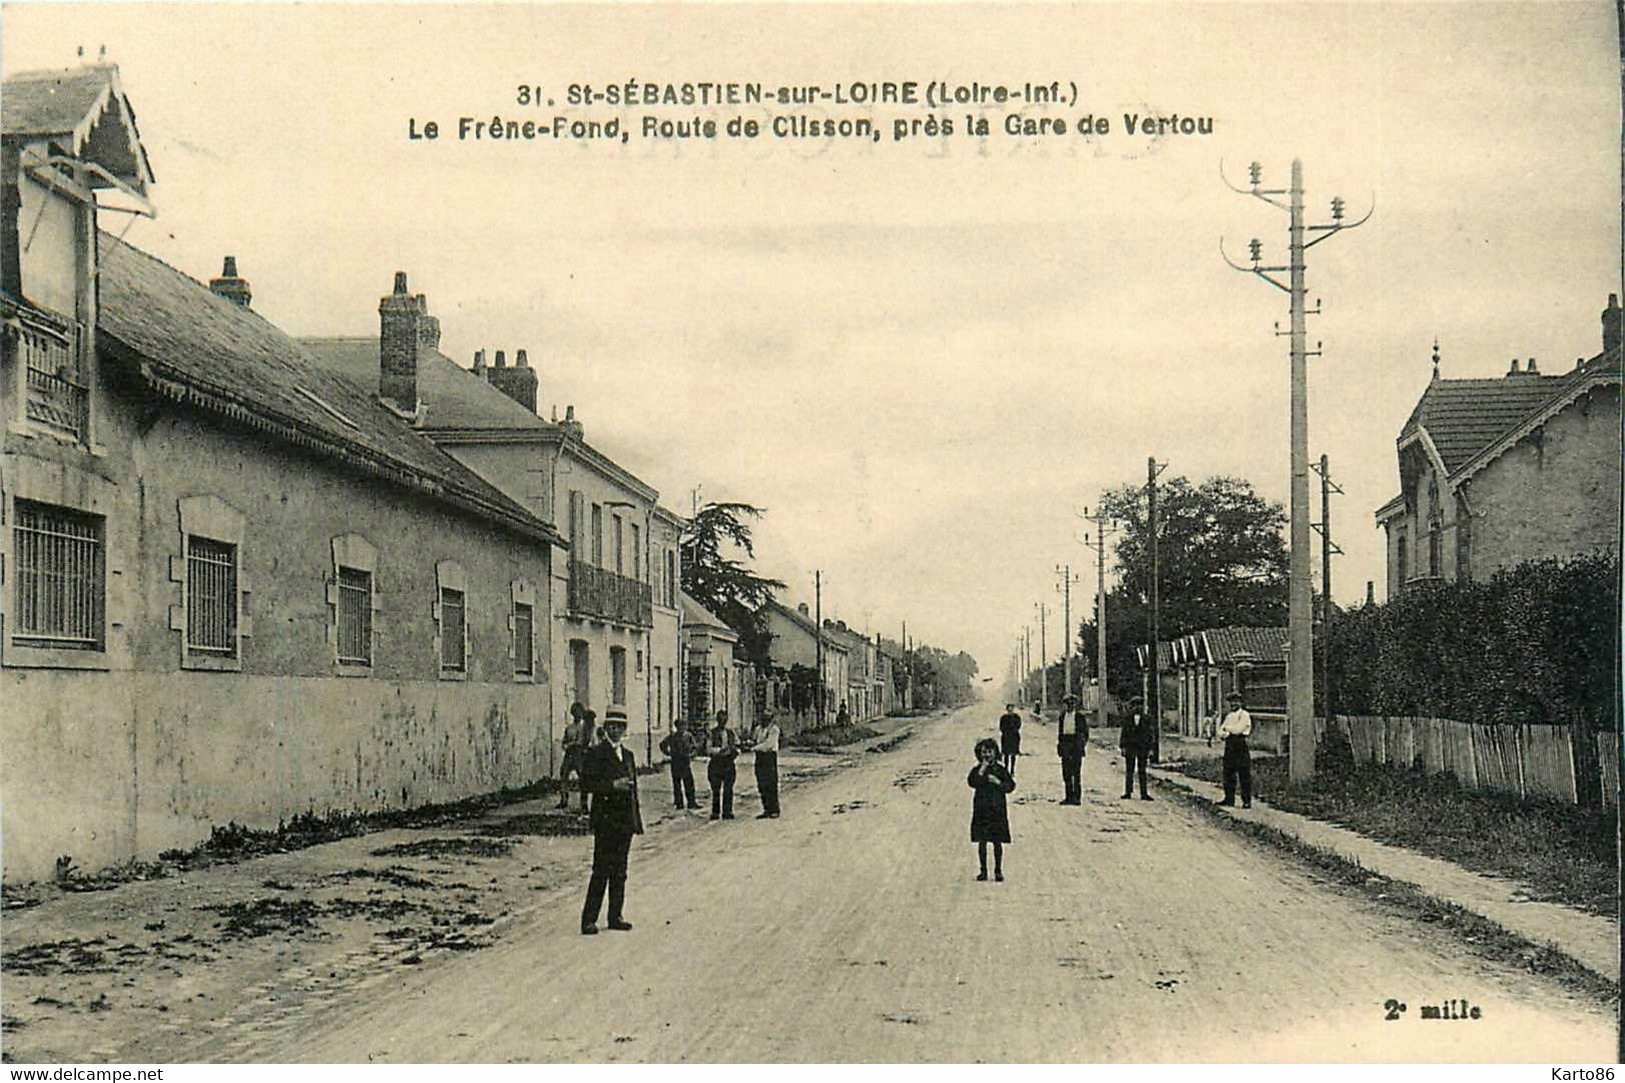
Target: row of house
{"type": "Point", "coordinates": [246, 577]}
{"type": "Point", "coordinates": [855, 673]}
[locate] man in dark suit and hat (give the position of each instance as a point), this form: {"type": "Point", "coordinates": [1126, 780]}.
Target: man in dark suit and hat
{"type": "Point", "coordinates": [610, 774]}
{"type": "Point", "coordinates": [1071, 737]}
{"type": "Point", "coordinates": [1139, 736]}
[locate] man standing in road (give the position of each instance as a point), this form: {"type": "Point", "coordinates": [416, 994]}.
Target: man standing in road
{"type": "Point", "coordinates": [1238, 762]}
{"type": "Point", "coordinates": [1135, 742]}
{"type": "Point", "coordinates": [1071, 738]}
{"type": "Point", "coordinates": [1010, 737]}
{"type": "Point", "coordinates": [577, 738]}
{"type": "Point", "coordinates": [766, 747]}
{"type": "Point", "coordinates": [679, 746]}
{"type": "Point", "coordinates": [610, 774]}
{"type": "Point", "coordinates": [723, 748]}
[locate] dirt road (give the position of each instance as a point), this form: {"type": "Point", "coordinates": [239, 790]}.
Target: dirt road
{"type": "Point", "coordinates": [853, 930]}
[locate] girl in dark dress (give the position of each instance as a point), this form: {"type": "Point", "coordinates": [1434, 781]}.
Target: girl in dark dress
{"type": "Point", "coordinates": [989, 819]}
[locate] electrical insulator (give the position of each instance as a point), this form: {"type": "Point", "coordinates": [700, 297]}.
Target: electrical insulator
{"type": "Point", "coordinates": [1256, 172]}
{"type": "Point", "coordinates": [1337, 208]}
{"type": "Point", "coordinates": [1256, 248]}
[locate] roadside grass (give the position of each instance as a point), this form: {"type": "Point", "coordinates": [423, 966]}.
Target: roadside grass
{"type": "Point", "coordinates": [1559, 852]}
{"type": "Point", "coordinates": [234, 842]}
{"type": "Point", "coordinates": [1480, 935]}
{"type": "Point", "coordinates": [831, 737]}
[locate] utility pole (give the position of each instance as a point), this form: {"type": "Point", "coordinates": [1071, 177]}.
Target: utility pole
{"type": "Point", "coordinates": [818, 620]}
{"type": "Point", "coordinates": [1065, 588]}
{"type": "Point", "coordinates": [908, 672]}
{"type": "Point", "coordinates": [1153, 696]}
{"type": "Point", "coordinates": [1101, 529]}
{"type": "Point", "coordinates": [1327, 548]}
{"type": "Point", "coordinates": [1043, 658]}
{"type": "Point", "coordinates": [1026, 660]}
{"type": "Point", "coordinates": [1300, 677]}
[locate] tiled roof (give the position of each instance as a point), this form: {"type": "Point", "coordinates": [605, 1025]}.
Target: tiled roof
{"type": "Point", "coordinates": [203, 349]}
{"type": "Point", "coordinates": [696, 614]}
{"type": "Point", "coordinates": [1465, 416]}
{"type": "Point", "coordinates": [41, 103]}
{"type": "Point", "coordinates": [1227, 644]}
{"type": "Point", "coordinates": [457, 401]}
{"type": "Point", "coordinates": [807, 624]}
{"type": "Point", "coordinates": [453, 397]}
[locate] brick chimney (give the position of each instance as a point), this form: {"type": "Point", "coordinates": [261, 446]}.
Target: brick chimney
{"type": "Point", "coordinates": [229, 286]}
{"type": "Point", "coordinates": [1610, 324]}
{"type": "Point", "coordinates": [399, 316]}
{"type": "Point", "coordinates": [570, 425]}
{"type": "Point", "coordinates": [518, 383]}
{"type": "Point", "coordinates": [428, 326]}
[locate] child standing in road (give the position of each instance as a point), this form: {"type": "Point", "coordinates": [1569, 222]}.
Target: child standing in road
{"type": "Point", "coordinates": [989, 818]}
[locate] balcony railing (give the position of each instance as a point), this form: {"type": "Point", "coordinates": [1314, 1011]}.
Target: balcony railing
{"type": "Point", "coordinates": [58, 399]}
{"type": "Point", "coordinates": [603, 595]}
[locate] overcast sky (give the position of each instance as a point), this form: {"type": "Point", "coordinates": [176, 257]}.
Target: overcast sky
{"type": "Point", "coordinates": [923, 358]}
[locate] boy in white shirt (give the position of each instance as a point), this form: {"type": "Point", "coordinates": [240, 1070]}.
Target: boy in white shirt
{"type": "Point", "coordinates": [1238, 762]}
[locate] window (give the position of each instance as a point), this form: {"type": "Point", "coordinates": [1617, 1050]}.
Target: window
{"type": "Point", "coordinates": [619, 541]}
{"type": "Point", "coordinates": [640, 663]}
{"type": "Point", "coordinates": [212, 616]}
{"type": "Point", "coordinates": [637, 552]}
{"type": "Point", "coordinates": [453, 653]}
{"type": "Point", "coordinates": [451, 620]}
{"type": "Point", "coordinates": [1401, 558]}
{"type": "Point", "coordinates": [211, 596]}
{"type": "Point", "coordinates": [352, 592]}
{"type": "Point", "coordinates": [671, 579]}
{"type": "Point", "coordinates": [524, 663]}
{"type": "Point", "coordinates": [617, 676]}
{"type": "Point", "coordinates": [355, 617]}
{"type": "Point", "coordinates": [597, 535]}
{"type": "Point", "coordinates": [61, 577]}
{"type": "Point", "coordinates": [660, 702]}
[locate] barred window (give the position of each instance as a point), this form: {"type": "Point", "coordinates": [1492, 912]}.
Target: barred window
{"type": "Point", "coordinates": [453, 658]}
{"type": "Point", "coordinates": [523, 662]}
{"type": "Point", "coordinates": [355, 617]}
{"type": "Point", "coordinates": [61, 577]}
{"type": "Point", "coordinates": [211, 595]}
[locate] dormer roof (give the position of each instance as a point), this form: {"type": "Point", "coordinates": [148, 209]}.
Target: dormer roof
{"type": "Point", "coordinates": [85, 112]}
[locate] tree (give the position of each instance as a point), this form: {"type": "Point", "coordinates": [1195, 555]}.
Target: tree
{"type": "Point", "coordinates": [1222, 560]}
{"type": "Point", "coordinates": [723, 584]}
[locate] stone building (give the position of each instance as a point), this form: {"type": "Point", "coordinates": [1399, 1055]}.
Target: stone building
{"type": "Point", "coordinates": [622, 544]}
{"type": "Point", "coordinates": [237, 587]}
{"type": "Point", "coordinates": [797, 640]}
{"type": "Point", "coordinates": [1494, 472]}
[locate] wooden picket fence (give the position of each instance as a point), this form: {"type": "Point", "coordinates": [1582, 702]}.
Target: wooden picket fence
{"type": "Point", "coordinates": [1530, 761]}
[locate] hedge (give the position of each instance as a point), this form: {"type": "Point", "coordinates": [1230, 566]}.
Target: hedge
{"type": "Point", "coordinates": [1535, 643]}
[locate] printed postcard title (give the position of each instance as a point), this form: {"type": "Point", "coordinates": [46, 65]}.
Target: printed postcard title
{"type": "Point", "coordinates": [888, 111]}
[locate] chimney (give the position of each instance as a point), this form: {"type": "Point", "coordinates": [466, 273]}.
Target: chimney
{"type": "Point", "coordinates": [479, 363]}
{"type": "Point", "coordinates": [801, 607]}
{"type": "Point", "coordinates": [398, 318]}
{"type": "Point", "coordinates": [1370, 592]}
{"type": "Point", "coordinates": [428, 326]}
{"type": "Point", "coordinates": [502, 360]}
{"type": "Point", "coordinates": [1531, 369]}
{"type": "Point", "coordinates": [518, 382]}
{"type": "Point", "coordinates": [1610, 324]}
{"type": "Point", "coordinates": [571, 426]}
{"type": "Point", "coordinates": [229, 286]}
{"type": "Point", "coordinates": [1513, 371]}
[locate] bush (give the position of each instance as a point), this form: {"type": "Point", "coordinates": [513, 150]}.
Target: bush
{"type": "Point", "coordinates": [1535, 643]}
